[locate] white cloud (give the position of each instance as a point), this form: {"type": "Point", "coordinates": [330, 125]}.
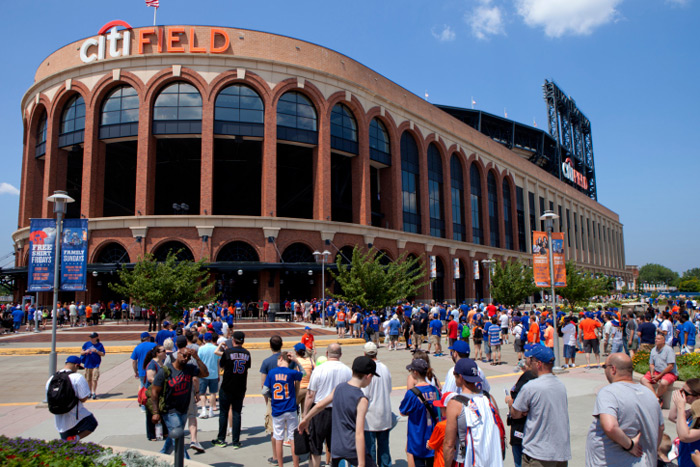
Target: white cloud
{"type": "Point", "coordinates": [562, 17]}
{"type": "Point", "coordinates": [7, 189]}
{"type": "Point", "coordinates": [446, 35]}
{"type": "Point", "coordinates": [485, 20]}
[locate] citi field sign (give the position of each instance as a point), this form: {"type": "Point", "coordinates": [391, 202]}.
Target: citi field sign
{"type": "Point", "coordinates": [162, 39]}
{"type": "Point", "coordinates": [567, 169]}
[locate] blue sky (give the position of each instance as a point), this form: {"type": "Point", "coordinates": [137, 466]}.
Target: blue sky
{"type": "Point", "coordinates": [631, 66]}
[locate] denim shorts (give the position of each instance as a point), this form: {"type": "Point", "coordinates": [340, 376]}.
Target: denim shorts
{"type": "Point", "coordinates": [569, 351]}
{"type": "Point", "coordinates": [212, 384]}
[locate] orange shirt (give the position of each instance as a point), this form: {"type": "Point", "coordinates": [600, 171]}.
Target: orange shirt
{"type": "Point", "coordinates": [588, 326]}
{"type": "Point", "coordinates": [470, 315]}
{"type": "Point", "coordinates": [549, 336]}
{"type": "Point", "coordinates": [435, 443]}
{"type": "Point", "coordinates": [533, 334]}
{"type": "Point", "coordinates": [340, 317]}
{"type": "Point", "coordinates": [88, 311]}
{"type": "Point", "coordinates": [308, 340]}
{"type": "Point", "coordinates": [308, 367]}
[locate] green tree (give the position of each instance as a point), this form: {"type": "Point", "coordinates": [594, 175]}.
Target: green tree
{"type": "Point", "coordinates": [167, 287]}
{"type": "Point", "coordinates": [691, 284]}
{"type": "Point", "coordinates": [656, 274]}
{"type": "Point", "coordinates": [692, 273]}
{"type": "Point", "coordinates": [511, 283]}
{"type": "Point", "coordinates": [373, 285]}
{"type": "Point", "coordinates": [581, 286]}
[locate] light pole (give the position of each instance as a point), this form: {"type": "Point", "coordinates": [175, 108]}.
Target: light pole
{"type": "Point", "coordinates": [549, 217]}
{"type": "Point", "coordinates": [488, 263]}
{"type": "Point", "coordinates": [323, 255]}
{"type": "Point", "coordinates": [59, 199]}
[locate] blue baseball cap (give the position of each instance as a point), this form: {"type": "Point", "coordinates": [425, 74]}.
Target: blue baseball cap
{"type": "Point", "coordinates": [166, 323]}
{"type": "Point", "coordinates": [460, 347]}
{"type": "Point", "coordinates": [307, 328]}
{"type": "Point", "coordinates": [75, 361]}
{"type": "Point", "coordinates": [468, 370]}
{"type": "Point", "coordinates": [207, 336]}
{"type": "Point", "coordinates": [298, 347]}
{"type": "Point", "coordinates": [541, 353]}
{"type": "Point", "coordinates": [145, 335]}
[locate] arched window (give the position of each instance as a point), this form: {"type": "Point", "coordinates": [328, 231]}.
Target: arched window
{"type": "Point", "coordinates": [494, 233]}
{"type": "Point", "coordinates": [379, 146]}
{"type": "Point", "coordinates": [384, 258]}
{"type": "Point", "coordinates": [237, 252]}
{"type": "Point", "coordinates": [298, 253]}
{"type": "Point", "coordinates": [410, 182]}
{"type": "Point", "coordinates": [296, 119]}
{"type": "Point", "coordinates": [507, 215]}
{"type": "Point", "coordinates": [239, 111]}
{"type": "Point", "coordinates": [72, 122]}
{"type": "Point", "coordinates": [437, 221]}
{"type": "Point", "coordinates": [475, 182]}
{"type": "Point", "coordinates": [457, 191]}
{"type": "Point", "coordinates": [120, 114]}
{"type": "Point", "coordinates": [182, 252]}
{"type": "Point", "coordinates": [343, 129]}
{"type": "Point", "coordinates": [178, 110]}
{"type": "Point", "coordinates": [113, 253]}
{"type": "Point", "coordinates": [40, 148]}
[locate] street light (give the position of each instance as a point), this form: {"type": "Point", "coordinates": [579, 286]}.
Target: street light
{"type": "Point", "coordinates": [489, 262]}
{"type": "Point", "coordinates": [323, 255]}
{"type": "Point", "coordinates": [549, 217]}
{"type": "Point", "coordinates": [60, 199]}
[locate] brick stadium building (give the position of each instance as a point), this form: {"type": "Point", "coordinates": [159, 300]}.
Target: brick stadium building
{"type": "Point", "coordinates": [254, 150]}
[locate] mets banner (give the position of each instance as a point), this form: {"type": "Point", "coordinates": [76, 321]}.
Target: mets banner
{"type": "Point", "coordinates": [74, 254]}
{"type": "Point", "coordinates": [42, 242]}
{"type": "Point", "coordinates": [540, 259]}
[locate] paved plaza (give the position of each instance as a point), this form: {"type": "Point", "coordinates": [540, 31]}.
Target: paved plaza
{"type": "Point", "coordinates": [121, 422]}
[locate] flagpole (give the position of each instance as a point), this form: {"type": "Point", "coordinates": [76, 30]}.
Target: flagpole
{"type": "Point", "coordinates": [155, 10]}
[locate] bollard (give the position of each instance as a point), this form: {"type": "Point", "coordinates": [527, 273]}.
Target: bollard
{"type": "Point", "coordinates": [178, 437]}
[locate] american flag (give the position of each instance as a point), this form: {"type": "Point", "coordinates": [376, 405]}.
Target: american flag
{"type": "Point", "coordinates": [153, 3]}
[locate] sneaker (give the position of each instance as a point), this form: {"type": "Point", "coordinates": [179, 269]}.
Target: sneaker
{"type": "Point", "coordinates": [143, 408]}
{"type": "Point", "coordinates": [237, 445]}
{"type": "Point", "coordinates": [271, 460]}
{"type": "Point", "coordinates": [94, 397]}
{"type": "Point", "coordinates": [75, 438]}
{"type": "Point", "coordinates": [211, 414]}
{"type": "Point", "coordinates": [197, 447]}
{"type": "Point", "coordinates": [218, 443]}
{"type": "Point", "coordinates": [203, 415]}
{"type": "Point", "coordinates": [286, 443]}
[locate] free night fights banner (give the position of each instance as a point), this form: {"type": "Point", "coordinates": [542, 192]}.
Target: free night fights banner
{"type": "Point", "coordinates": [74, 254]}
{"type": "Point", "coordinates": [540, 259]}
{"type": "Point", "coordinates": [42, 242]}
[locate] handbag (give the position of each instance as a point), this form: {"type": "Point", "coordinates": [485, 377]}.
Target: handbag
{"type": "Point", "coordinates": [142, 396]}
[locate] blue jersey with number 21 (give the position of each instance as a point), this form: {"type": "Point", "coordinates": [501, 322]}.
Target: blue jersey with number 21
{"type": "Point", "coordinates": [283, 397]}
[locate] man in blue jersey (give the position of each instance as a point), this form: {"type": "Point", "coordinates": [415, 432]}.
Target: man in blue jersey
{"type": "Point", "coordinates": [435, 335]}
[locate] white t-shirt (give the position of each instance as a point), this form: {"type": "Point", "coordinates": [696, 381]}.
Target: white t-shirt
{"type": "Point", "coordinates": [66, 421]}
{"type": "Point", "coordinates": [504, 321]}
{"type": "Point", "coordinates": [667, 327]}
{"type": "Point", "coordinates": [483, 446]}
{"type": "Point", "coordinates": [378, 393]}
{"type": "Point", "coordinates": [569, 332]}
{"type": "Point", "coordinates": [326, 377]}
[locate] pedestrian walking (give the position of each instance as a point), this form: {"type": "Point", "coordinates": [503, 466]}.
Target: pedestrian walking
{"type": "Point", "coordinates": [207, 353]}
{"type": "Point", "coordinates": [379, 418]}
{"type": "Point", "coordinates": [66, 391]}
{"type": "Point", "coordinates": [235, 362]}
{"type": "Point", "coordinates": [91, 356]}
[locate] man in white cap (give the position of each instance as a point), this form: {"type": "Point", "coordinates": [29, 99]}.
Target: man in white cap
{"type": "Point", "coordinates": [77, 422]}
{"type": "Point", "coordinates": [379, 419]}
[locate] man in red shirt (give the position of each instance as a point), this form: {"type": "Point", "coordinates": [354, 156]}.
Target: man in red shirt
{"type": "Point", "coordinates": [491, 309]}
{"type": "Point", "coordinates": [452, 329]}
{"type": "Point", "coordinates": [591, 342]}
{"type": "Point", "coordinates": [308, 340]}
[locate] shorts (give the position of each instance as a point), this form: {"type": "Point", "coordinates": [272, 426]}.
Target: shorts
{"type": "Point", "coordinates": [477, 341]}
{"type": "Point", "coordinates": [504, 331]}
{"type": "Point", "coordinates": [394, 338]}
{"type": "Point", "coordinates": [212, 384]}
{"type": "Point", "coordinates": [320, 431]}
{"type": "Point", "coordinates": [192, 409]}
{"type": "Point", "coordinates": [286, 422]}
{"type": "Point", "coordinates": [591, 345]}
{"type": "Point", "coordinates": [417, 339]}
{"type": "Point", "coordinates": [434, 339]}
{"type": "Point", "coordinates": [495, 347]}
{"type": "Point", "coordinates": [635, 343]}
{"type": "Point", "coordinates": [518, 345]}
{"type": "Point", "coordinates": [569, 351]}
{"type": "Point", "coordinates": [88, 423]}
{"type": "Point", "coordinates": [268, 419]}
{"type": "Point", "coordinates": [341, 324]}
{"type": "Point", "coordinates": [670, 378]}
{"type": "Point", "coordinates": [92, 374]}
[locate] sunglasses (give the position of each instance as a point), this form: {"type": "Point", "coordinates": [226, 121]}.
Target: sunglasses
{"type": "Point", "coordinates": [689, 394]}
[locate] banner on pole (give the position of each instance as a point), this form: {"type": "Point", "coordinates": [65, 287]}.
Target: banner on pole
{"type": "Point", "coordinates": [42, 243]}
{"type": "Point", "coordinates": [476, 270]}
{"type": "Point", "coordinates": [74, 255]}
{"type": "Point", "coordinates": [455, 263]}
{"type": "Point", "coordinates": [433, 267]}
{"type": "Point", "coordinates": [540, 259]}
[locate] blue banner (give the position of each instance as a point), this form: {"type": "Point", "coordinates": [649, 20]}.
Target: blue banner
{"type": "Point", "coordinates": [42, 242]}
{"type": "Point", "coordinates": [74, 254]}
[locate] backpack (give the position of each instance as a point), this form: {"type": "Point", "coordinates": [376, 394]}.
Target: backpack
{"type": "Point", "coordinates": [60, 395]}
{"type": "Point", "coordinates": [465, 332]}
{"type": "Point", "coordinates": [478, 333]}
{"type": "Point", "coordinates": [496, 418]}
{"type": "Point", "coordinates": [163, 395]}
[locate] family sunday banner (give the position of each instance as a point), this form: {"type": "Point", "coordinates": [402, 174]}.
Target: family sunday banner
{"type": "Point", "coordinates": [540, 259]}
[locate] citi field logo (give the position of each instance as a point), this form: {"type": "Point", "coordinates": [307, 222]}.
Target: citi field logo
{"type": "Point", "coordinates": [87, 52]}
{"type": "Point", "coordinates": [572, 174]}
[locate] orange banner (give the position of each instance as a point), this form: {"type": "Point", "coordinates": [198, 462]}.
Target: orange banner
{"type": "Point", "coordinates": [540, 259]}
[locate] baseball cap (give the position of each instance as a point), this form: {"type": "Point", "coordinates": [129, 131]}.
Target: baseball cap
{"type": "Point", "coordinates": [238, 336]}
{"type": "Point", "coordinates": [145, 335]}
{"type": "Point", "coordinates": [541, 353]}
{"type": "Point", "coordinates": [445, 399]}
{"type": "Point", "coordinates": [298, 347]}
{"type": "Point", "coordinates": [460, 347]}
{"type": "Point", "coordinates": [419, 365]}
{"type": "Point", "coordinates": [307, 328]}
{"type": "Point", "coordinates": [370, 348]}
{"type": "Point", "coordinates": [467, 368]}
{"type": "Point", "coordinates": [207, 336]}
{"type": "Point", "coordinates": [166, 323]}
{"type": "Point", "coordinates": [94, 334]}
{"type": "Point", "coordinates": [615, 323]}
{"type": "Point", "coordinates": [365, 365]}
{"type": "Point", "coordinates": [75, 361]}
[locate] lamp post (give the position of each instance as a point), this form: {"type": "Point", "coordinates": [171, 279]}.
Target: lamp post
{"type": "Point", "coordinates": [60, 199]}
{"type": "Point", "coordinates": [488, 263]}
{"type": "Point", "coordinates": [549, 217]}
{"type": "Point", "coordinates": [323, 255]}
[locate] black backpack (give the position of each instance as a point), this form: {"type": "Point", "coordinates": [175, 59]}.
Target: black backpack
{"type": "Point", "coordinates": [60, 395]}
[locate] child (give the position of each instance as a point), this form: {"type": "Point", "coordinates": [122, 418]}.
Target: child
{"type": "Point", "coordinates": [308, 340]}
{"type": "Point", "coordinates": [478, 335]}
{"type": "Point", "coordinates": [438, 436]}
{"type": "Point", "coordinates": [495, 341]}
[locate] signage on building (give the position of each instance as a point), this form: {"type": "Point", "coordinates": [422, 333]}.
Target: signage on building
{"type": "Point", "coordinates": [476, 270]}
{"type": "Point", "coordinates": [42, 242]}
{"type": "Point", "coordinates": [455, 264]}
{"type": "Point", "coordinates": [573, 175]}
{"type": "Point", "coordinates": [112, 42]}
